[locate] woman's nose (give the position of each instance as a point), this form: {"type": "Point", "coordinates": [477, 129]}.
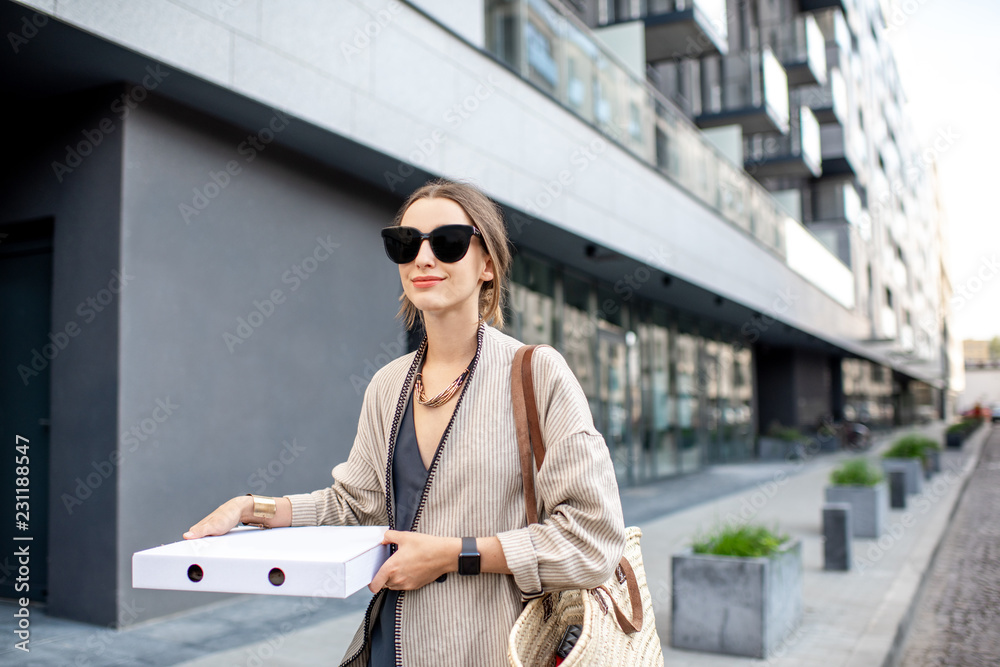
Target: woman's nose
{"type": "Point", "coordinates": [425, 256]}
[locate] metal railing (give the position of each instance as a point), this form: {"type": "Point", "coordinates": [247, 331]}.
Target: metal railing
{"type": "Point", "coordinates": [552, 49]}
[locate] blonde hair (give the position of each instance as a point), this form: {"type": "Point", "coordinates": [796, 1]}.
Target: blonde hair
{"type": "Point", "coordinates": [487, 217]}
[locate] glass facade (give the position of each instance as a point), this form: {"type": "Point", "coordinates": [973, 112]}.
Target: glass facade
{"type": "Point", "coordinates": [546, 45]}
{"type": "Point", "coordinates": [868, 393]}
{"type": "Point", "coordinates": [666, 399]}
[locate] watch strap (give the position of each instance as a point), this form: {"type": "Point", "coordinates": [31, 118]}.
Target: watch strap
{"type": "Point", "coordinates": [469, 558]}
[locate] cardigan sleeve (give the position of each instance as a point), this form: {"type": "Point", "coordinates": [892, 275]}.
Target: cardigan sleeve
{"type": "Point", "coordinates": [357, 496]}
{"type": "Point", "coordinates": [581, 540]}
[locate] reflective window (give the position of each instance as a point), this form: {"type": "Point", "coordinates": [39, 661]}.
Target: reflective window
{"type": "Point", "coordinates": [532, 300]}
{"type": "Point", "coordinates": [613, 388]}
{"type": "Point", "coordinates": [579, 334]}
{"type": "Point", "coordinates": [658, 440]}
{"type": "Point", "coordinates": [688, 418]}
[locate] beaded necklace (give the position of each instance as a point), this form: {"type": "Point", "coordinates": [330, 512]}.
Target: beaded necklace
{"type": "Point", "coordinates": [449, 391]}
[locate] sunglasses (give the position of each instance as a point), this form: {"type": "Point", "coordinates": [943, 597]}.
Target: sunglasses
{"type": "Point", "coordinates": [449, 243]}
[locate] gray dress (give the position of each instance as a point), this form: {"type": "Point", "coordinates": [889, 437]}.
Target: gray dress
{"type": "Point", "coordinates": [408, 479]}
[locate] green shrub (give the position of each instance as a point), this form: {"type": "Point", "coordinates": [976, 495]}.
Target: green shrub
{"type": "Point", "coordinates": [912, 446]}
{"type": "Point", "coordinates": [746, 541]}
{"type": "Point", "coordinates": [856, 472]}
{"type": "Point", "coordinates": [786, 433]}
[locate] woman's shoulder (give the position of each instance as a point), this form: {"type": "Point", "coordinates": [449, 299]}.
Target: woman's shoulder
{"type": "Point", "coordinates": [389, 378]}
{"type": "Point", "coordinates": [546, 361]}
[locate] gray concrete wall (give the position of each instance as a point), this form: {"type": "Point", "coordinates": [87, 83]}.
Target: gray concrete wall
{"type": "Point", "coordinates": [80, 188]}
{"type": "Point", "coordinates": [273, 413]}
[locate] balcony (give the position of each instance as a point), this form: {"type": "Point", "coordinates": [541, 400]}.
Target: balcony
{"type": "Point", "coordinates": [827, 101]}
{"type": "Point", "coordinates": [566, 62]}
{"type": "Point", "coordinates": [836, 202]}
{"type": "Point", "coordinates": [843, 152]}
{"type": "Point", "coordinates": [795, 154]}
{"type": "Point", "coordinates": [801, 49]}
{"type": "Point", "coordinates": [887, 320]}
{"type": "Point", "coordinates": [820, 5]}
{"type": "Point", "coordinates": [562, 58]}
{"type": "Point", "coordinates": [749, 89]}
{"type": "Point", "coordinates": [685, 29]}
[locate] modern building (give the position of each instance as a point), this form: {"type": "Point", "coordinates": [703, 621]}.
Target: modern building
{"type": "Point", "coordinates": [977, 352]}
{"type": "Point", "coordinates": [719, 215]}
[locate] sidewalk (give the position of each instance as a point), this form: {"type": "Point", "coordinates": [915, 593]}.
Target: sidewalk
{"type": "Point", "coordinates": [850, 618]}
{"type": "Point", "coordinates": [855, 618]}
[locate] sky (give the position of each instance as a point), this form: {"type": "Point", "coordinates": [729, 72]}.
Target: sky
{"type": "Point", "coordinates": [948, 56]}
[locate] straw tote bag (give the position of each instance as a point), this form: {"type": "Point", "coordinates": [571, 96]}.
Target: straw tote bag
{"type": "Point", "coordinates": [609, 635]}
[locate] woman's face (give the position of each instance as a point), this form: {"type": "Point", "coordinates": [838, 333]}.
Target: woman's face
{"type": "Point", "coordinates": [435, 287]}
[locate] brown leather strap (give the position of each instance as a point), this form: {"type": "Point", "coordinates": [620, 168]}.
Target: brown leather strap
{"type": "Point", "coordinates": [531, 408]}
{"type": "Point", "coordinates": [529, 443]}
{"type": "Point", "coordinates": [628, 627]}
{"type": "Point", "coordinates": [523, 433]}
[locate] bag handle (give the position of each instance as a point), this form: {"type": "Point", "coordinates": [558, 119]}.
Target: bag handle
{"type": "Point", "coordinates": [530, 446]}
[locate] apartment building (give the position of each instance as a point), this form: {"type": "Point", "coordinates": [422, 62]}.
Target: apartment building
{"type": "Point", "coordinates": [720, 220]}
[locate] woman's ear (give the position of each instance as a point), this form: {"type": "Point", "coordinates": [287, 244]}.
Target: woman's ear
{"type": "Point", "coordinates": [487, 272]}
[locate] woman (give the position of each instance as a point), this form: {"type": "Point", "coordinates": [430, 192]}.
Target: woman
{"type": "Point", "coordinates": [436, 459]}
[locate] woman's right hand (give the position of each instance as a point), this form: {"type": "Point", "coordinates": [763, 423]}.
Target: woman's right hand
{"type": "Point", "coordinates": [222, 520]}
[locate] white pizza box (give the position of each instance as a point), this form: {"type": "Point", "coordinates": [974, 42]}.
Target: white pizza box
{"type": "Point", "coordinates": [316, 561]}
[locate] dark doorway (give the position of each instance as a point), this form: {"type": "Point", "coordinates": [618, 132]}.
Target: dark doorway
{"type": "Point", "coordinates": [28, 346]}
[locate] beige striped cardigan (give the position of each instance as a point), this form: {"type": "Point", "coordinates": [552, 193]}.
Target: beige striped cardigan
{"type": "Point", "coordinates": [475, 489]}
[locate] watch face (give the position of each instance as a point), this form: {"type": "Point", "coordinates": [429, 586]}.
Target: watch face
{"type": "Point", "coordinates": [468, 564]}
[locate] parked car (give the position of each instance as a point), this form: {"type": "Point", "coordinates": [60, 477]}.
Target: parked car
{"type": "Point", "coordinates": [995, 412]}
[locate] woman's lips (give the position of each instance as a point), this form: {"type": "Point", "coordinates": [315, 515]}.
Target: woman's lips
{"type": "Point", "coordinates": [426, 282]}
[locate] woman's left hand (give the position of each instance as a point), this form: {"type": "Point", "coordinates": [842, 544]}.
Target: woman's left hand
{"type": "Point", "coordinates": [419, 560]}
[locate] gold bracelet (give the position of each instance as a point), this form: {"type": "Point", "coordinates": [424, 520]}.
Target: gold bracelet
{"type": "Point", "coordinates": [264, 507]}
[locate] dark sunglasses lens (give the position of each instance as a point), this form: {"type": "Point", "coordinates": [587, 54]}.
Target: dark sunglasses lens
{"type": "Point", "coordinates": [401, 245]}
{"type": "Point", "coordinates": [451, 242]}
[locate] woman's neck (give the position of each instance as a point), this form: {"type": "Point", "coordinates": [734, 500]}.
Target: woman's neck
{"type": "Point", "coordinates": [451, 338]}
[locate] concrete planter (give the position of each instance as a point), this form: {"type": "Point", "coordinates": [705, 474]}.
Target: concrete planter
{"type": "Point", "coordinates": [914, 469]}
{"type": "Point", "coordinates": [934, 462]}
{"type": "Point", "coordinates": [738, 606]}
{"type": "Point", "coordinates": [868, 506]}
{"type": "Point", "coordinates": [954, 440]}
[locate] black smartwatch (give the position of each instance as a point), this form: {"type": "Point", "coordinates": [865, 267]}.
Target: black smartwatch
{"type": "Point", "coordinates": [468, 559]}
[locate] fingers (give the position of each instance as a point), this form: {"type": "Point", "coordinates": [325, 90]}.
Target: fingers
{"type": "Point", "coordinates": [219, 522]}
{"type": "Point", "coordinates": [381, 578]}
